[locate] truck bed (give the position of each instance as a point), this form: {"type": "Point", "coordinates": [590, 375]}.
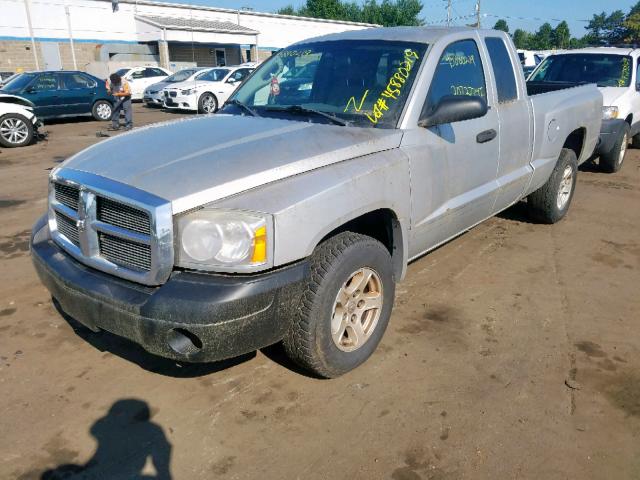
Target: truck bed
{"type": "Point", "coordinates": [538, 88]}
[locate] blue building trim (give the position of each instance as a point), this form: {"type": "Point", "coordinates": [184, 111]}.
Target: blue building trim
{"type": "Point", "coordinates": [66, 40]}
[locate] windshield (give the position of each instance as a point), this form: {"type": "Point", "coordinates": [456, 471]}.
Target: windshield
{"type": "Point", "coordinates": [215, 75]}
{"type": "Point", "coordinates": [604, 69]}
{"type": "Point", "coordinates": [18, 82]}
{"type": "Point", "coordinates": [122, 72]}
{"type": "Point", "coordinates": [182, 75]}
{"type": "Point", "coordinates": [362, 81]}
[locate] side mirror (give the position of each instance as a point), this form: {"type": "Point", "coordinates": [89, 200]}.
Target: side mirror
{"type": "Point", "coordinates": [30, 90]}
{"type": "Point", "coordinates": [454, 108]}
{"type": "Point", "coordinates": [232, 81]}
{"type": "Point", "coordinates": [637, 87]}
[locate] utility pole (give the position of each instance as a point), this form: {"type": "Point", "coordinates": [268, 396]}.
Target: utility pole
{"type": "Point", "coordinates": [478, 19]}
{"type": "Point", "coordinates": [71, 46]}
{"type": "Point", "coordinates": [449, 13]}
{"type": "Point", "coordinates": [33, 40]}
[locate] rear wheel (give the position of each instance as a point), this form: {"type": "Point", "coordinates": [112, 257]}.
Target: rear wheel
{"type": "Point", "coordinates": [550, 203]}
{"type": "Point", "coordinates": [345, 307]}
{"type": "Point", "coordinates": [612, 161]}
{"type": "Point", "coordinates": [101, 110]}
{"type": "Point", "coordinates": [207, 103]}
{"type": "Point", "coordinates": [15, 130]}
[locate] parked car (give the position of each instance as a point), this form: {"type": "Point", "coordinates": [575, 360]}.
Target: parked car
{"type": "Point", "coordinates": [529, 58]}
{"type": "Point", "coordinates": [207, 91]}
{"type": "Point", "coordinates": [5, 77]}
{"type": "Point", "coordinates": [154, 96]}
{"type": "Point", "coordinates": [206, 239]}
{"type": "Point", "coordinates": [63, 94]}
{"type": "Point", "coordinates": [140, 78]}
{"type": "Point", "coordinates": [18, 123]}
{"type": "Point", "coordinates": [615, 71]}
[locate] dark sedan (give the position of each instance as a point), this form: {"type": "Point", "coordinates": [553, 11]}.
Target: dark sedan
{"type": "Point", "coordinates": [63, 94]}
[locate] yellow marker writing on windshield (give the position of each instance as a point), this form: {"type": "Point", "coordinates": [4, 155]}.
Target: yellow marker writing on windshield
{"type": "Point", "coordinates": [358, 107]}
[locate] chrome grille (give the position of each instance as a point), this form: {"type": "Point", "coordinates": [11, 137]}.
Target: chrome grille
{"type": "Point", "coordinates": [111, 226]}
{"type": "Point", "coordinates": [123, 216]}
{"type": "Point", "coordinates": [67, 227]}
{"type": "Point", "coordinates": [67, 195]}
{"type": "Point", "coordinates": [125, 252]}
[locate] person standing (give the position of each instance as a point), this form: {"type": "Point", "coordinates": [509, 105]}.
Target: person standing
{"type": "Point", "coordinates": [119, 88]}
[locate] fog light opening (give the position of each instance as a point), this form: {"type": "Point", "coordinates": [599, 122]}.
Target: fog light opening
{"type": "Point", "coordinates": [184, 342]}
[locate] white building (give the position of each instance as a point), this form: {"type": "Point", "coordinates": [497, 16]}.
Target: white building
{"type": "Point", "coordinates": [89, 35]}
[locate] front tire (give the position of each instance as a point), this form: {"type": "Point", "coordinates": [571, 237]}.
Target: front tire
{"type": "Point", "coordinates": [613, 160]}
{"type": "Point", "coordinates": [207, 103]}
{"type": "Point", "coordinates": [345, 306]}
{"type": "Point", "coordinates": [550, 203]}
{"type": "Point", "coordinates": [102, 110]}
{"type": "Point", "coordinates": [15, 130]}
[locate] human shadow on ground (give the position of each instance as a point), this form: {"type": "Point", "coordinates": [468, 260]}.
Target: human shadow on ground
{"type": "Point", "coordinates": [129, 443]}
{"type": "Point", "coordinates": [134, 353]}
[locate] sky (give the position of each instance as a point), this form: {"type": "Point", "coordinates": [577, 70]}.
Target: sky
{"type": "Point", "coordinates": [533, 13]}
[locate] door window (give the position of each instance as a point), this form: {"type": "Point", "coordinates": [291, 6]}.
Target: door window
{"type": "Point", "coordinates": [46, 81]}
{"type": "Point", "coordinates": [502, 69]}
{"type": "Point", "coordinates": [77, 80]}
{"type": "Point", "coordinates": [154, 72]}
{"type": "Point", "coordinates": [138, 74]}
{"type": "Point", "coordinates": [240, 74]}
{"type": "Point", "coordinates": [459, 72]}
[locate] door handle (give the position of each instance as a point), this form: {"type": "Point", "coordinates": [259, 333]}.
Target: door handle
{"type": "Point", "coordinates": [486, 136]}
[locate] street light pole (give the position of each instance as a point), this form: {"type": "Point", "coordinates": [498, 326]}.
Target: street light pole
{"type": "Point", "coordinates": [449, 13]}
{"type": "Point", "coordinates": [478, 20]}
{"type": "Point", "coordinates": [73, 50]}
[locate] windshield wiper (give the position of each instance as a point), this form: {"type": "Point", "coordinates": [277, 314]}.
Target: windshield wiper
{"type": "Point", "coordinates": [301, 109]}
{"type": "Point", "coordinates": [243, 106]}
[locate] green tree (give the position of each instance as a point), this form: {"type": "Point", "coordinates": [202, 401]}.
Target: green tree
{"type": "Point", "coordinates": [288, 10]}
{"type": "Point", "coordinates": [632, 25]}
{"type": "Point", "coordinates": [543, 38]}
{"type": "Point", "coordinates": [522, 39]}
{"type": "Point", "coordinates": [562, 35]}
{"type": "Point", "coordinates": [389, 13]}
{"type": "Point", "coordinates": [606, 29]}
{"type": "Point", "coordinates": [501, 25]}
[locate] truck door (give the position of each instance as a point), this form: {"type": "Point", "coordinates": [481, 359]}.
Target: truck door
{"type": "Point", "coordinates": [471, 146]}
{"type": "Point", "coordinates": [514, 169]}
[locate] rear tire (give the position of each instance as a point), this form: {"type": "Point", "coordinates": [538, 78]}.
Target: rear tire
{"type": "Point", "coordinates": [102, 110]}
{"type": "Point", "coordinates": [550, 203]}
{"type": "Point", "coordinates": [345, 305]}
{"type": "Point", "coordinates": [15, 130]}
{"type": "Point", "coordinates": [207, 103]}
{"type": "Point", "coordinates": [612, 161]}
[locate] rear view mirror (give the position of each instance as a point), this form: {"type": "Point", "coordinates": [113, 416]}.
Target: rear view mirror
{"type": "Point", "coordinates": [454, 108]}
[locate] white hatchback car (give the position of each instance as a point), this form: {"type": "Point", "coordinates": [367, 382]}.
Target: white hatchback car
{"type": "Point", "coordinates": [206, 91]}
{"type": "Point", "coordinates": [139, 78]}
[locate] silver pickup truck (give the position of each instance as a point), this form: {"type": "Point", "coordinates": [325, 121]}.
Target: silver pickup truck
{"type": "Point", "coordinates": [291, 214]}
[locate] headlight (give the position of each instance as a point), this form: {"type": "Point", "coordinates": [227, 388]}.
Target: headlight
{"type": "Point", "coordinates": [609, 113]}
{"type": "Point", "coordinates": [224, 240]}
{"type": "Point", "coordinates": [188, 91]}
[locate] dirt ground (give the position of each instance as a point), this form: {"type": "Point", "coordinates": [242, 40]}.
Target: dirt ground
{"type": "Point", "coordinates": [512, 353]}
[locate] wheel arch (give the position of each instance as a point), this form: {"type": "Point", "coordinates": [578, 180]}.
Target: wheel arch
{"type": "Point", "coordinates": [383, 225]}
{"type": "Point", "coordinates": [576, 141]}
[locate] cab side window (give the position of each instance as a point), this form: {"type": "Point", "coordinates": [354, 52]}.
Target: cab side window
{"type": "Point", "coordinates": [46, 81]}
{"type": "Point", "coordinates": [459, 72]}
{"type": "Point", "coordinates": [502, 70]}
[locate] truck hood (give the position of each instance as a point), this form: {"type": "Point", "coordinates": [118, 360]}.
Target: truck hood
{"type": "Point", "coordinates": [195, 161]}
{"type": "Point", "coordinates": [611, 95]}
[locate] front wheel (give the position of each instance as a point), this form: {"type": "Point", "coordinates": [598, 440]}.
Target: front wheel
{"type": "Point", "coordinates": [612, 161]}
{"type": "Point", "coordinates": [550, 203]}
{"type": "Point", "coordinates": [207, 103]}
{"type": "Point", "coordinates": [15, 130]}
{"type": "Point", "coordinates": [101, 110]}
{"type": "Point", "coordinates": [345, 306]}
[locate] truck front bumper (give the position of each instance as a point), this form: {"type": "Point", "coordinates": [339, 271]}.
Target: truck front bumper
{"type": "Point", "coordinates": [193, 317]}
{"type": "Point", "coordinates": [610, 132]}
